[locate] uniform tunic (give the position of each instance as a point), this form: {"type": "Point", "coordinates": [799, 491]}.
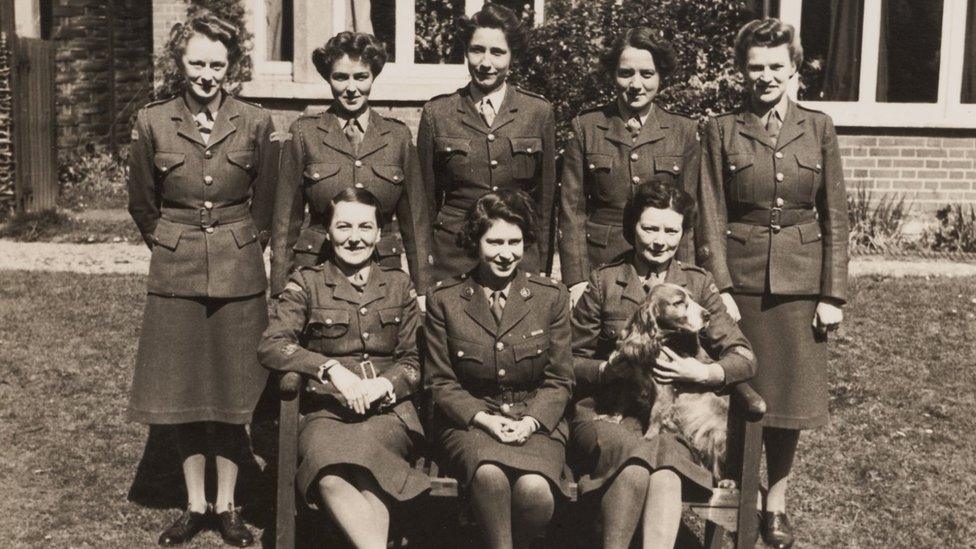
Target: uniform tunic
{"type": "Point", "coordinates": [204, 208]}
{"type": "Point", "coordinates": [600, 449]}
{"type": "Point", "coordinates": [318, 161]}
{"type": "Point", "coordinates": [517, 367]}
{"type": "Point", "coordinates": [774, 232]}
{"type": "Point", "coordinates": [602, 166]}
{"type": "Point", "coordinates": [462, 159]}
{"type": "Point", "coordinates": [321, 316]}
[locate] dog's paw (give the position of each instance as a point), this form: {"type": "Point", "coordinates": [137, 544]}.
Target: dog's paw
{"type": "Point", "coordinates": [726, 484]}
{"type": "Point", "coordinates": [616, 418]}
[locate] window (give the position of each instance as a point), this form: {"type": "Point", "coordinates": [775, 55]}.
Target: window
{"type": "Point", "coordinates": [423, 60]}
{"type": "Point", "coordinates": [888, 63]}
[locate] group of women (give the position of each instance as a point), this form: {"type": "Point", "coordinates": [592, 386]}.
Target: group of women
{"type": "Point", "coordinates": [510, 356]}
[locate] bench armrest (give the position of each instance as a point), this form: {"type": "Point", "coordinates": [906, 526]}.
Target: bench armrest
{"type": "Point", "coordinates": [749, 400]}
{"type": "Point", "coordinates": [289, 385]}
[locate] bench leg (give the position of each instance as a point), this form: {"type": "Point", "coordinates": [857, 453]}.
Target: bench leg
{"type": "Point", "coordinates": [714, 535]}
{"type": "Point", "coordinates": [748, 521]}
{"type": "Point", "coordinates": [287, 459]}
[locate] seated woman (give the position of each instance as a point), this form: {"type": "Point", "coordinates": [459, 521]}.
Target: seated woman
{"type": "Point", "coordinates": [639, 480]}
{"type": "Point", "coordinates": [500, 372]}
{"type": "Point", "coordinates": [350, 324]}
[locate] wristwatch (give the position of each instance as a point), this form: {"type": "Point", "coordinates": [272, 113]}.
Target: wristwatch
{"type": "Point", "coordinates": [323, 373]}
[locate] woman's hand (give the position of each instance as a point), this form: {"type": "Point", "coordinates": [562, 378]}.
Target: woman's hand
{"type": "Point", "coordinates": [673, 368]}
{"type": "Point", "coordinates": [730, 306]}
{"type": "Point", "coordinates": [376, 389]}
{"type": "Point", "coordinates": [351, 387]}
{"type": "Point", "coordinates": [522, 429]}
{"type": "Point", "coordinates": [499, 427]}
{"type": "Point", "coordinates": [576, 292]}
{"type": "Point", "coordinates": [827, 317]}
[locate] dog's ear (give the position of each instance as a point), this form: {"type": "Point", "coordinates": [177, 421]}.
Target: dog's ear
{"type": "Point", "coordinates": [639, 339]}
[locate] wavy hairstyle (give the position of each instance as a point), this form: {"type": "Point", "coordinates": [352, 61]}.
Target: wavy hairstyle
{"type": "Point", "coordinates": [642, 38]}
{"type": "Point", "coordinates": [495, 16]}
{"type": "Point", "coordinates": [660, 195]}
{"type": "Point", "coordinates": [357, 45]}
{"type": "Point", "coordinates": [514, 207]}
{"type": "Point", "coordinates": [205, 23]}
{"type": "Point", "coordinates": [768, 33]}
{"type": "Point", "coordinates": [356, 196]}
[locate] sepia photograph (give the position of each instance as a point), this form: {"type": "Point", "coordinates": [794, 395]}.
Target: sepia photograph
{"type": "Point", "coordinates": [500, 274]}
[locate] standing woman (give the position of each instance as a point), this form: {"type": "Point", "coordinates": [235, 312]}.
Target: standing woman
{"type": "Point", "coordinates": [500, 373]}
{"type": "Point", "coordinates": [201, 185]}
{"type": "Point", "coordinates": [486, 136]}
{"type": "Point", "coordinates": [617, 147]}
{"type": "Point", "coordinates": [350, 324]}
{"type": "Point", "coordinates": [349, 145]}
{"type": "Point", "coordinates": [774, 228]}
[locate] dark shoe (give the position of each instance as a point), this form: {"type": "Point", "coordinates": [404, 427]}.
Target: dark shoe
{"type": "Point", "coordinates": [232, 528]}
{"type": "Point", "coordinates": [184, 528]}
{"type": "Point", "coordinates": [776, 530]}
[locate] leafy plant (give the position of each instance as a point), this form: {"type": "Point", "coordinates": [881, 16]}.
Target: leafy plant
{"type": "Point", "coordinates": [955, 232]}
{"type": "Point", "coordinates": [92, 179]}
{"type": "Point", "coordinates": [876, 227]}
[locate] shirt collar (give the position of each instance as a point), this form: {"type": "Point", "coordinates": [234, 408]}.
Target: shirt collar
{"type": "Point", "coordinates": [196, 107]}
{"type": "Point", "coordinates": [625, 111]}
{"type": "Point", "coordinates": [362, 119]}
{"type": "Point", "coordinates": [505, 291]}
{"type": "Point", "coordinates": [779, 110]}
{"type": "Point", "coordinates": [496, 96]}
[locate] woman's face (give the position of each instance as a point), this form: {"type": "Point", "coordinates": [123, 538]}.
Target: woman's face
{"type": "Point", "coordinates": [353, 233]}
{"type": "Point", "coordinates": [767, 73]}
{"type": "Point", "coordinates": [636, 78]}
{"type": "Point", "coordinates": [657, 235]}
{"type": "Point", "coordinates": [204, 64]}
{"type": "Point", "coordinates": [351, 81]}
{"type": "Point", "coordinates": [501, 248]}
{"type": "Point", "coordinates": [488, 58]}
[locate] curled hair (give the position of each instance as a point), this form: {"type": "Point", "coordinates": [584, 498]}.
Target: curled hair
{"type": "Point", "coordinates": [356, 196]}
{"type": "Point", "coordinates": [767, 33]}
{"type": "Point", "coordinates": [642, 38]}
{"type": "Point", "coordinates": [660, 195]}
{"type": "Point", "coordinates": [514, 207]}
{"type": "Point", "coordinates": [495, 16]}
{"type": "Point", "coordinates": [205, 23]}
{"type": "Point", "coordinates": [357, 45]}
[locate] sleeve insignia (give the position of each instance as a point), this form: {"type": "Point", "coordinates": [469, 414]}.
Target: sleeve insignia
{"type": "Point", "coordinates": [289, 349]}
{"type": "Point", "coordinates": [293, 286]}
{"type": "Point", "coordinates": [411, 374]}
{"type": "Point", "coordinates": [713, 288]}
{"type": "Point", "coordinates": [430, 259]}
{"type": "Point", "coordinates": [281, 136]}
{"type": "Point", "coordinates": [412, 293]}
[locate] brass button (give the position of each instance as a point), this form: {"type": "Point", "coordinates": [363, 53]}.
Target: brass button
{"type": "Point", "coordinates": [365, 335]}
{"type": "Point", "coordinates": [494, 187]}
{"type": "Point", "coordinates": [780, 177]}
{"type": "Point", "coordinates": [528, 149]}
{"type": "Point", "coordinates": [396, 177]}
{"type": "Point", "coordinates": [210, 230]}
{"type": "Point", "coordinates": [779, 202]}
{"type": "Point", "coordinates": [358, 185]}
{"type": "Point", "coordinates": [818, 166]}
{"type": "Point", "coordinates": [501, 373]}
{"type": "Point", "coordinates": [491, 137]}
{"type": "Point", "coordinates": [396, 319]}
{"type": "Point", "coordinates": [358, 163]}
{"type": "Point", "coordinates": [448, 149]}
{"type": "Point", "coordinates": [208, 153]}
{"type": "Point", "coordinates": [208, 204]}
{"type": "Point", "coordinates": [779, 154]}
{"type": "Point", "coordinates": [208, 179]}
{"type": "Point", "coordinates": [731, 167]}
{"type": "Point", "coordinates": [634, 157]}
{"type": "Point", "coordinates": [308, 246]}
{"type": "Point", "coordinates": [499, 346]}
{"type": "Point", "coordinates": [675, 168]}
{"type": "Point", "coordinates": [328, 321]}
{"type": "Point", "coordinates": [316, 175]}
{"type": "Point", "coordinates": [365, 356]}
{"type": "Point", "coordinates": [460, 354]}
{"type": "Point", "coordinates": [493, 163]}
{"type": "Point", "coordinates": [506, 408]}
{"type": "Point", "coordinates": [636, 179]}
{"type": "Point", "coordinates": [592, 166]}
{"type": "Point", "coordinates": [363, 311]}
{"type": "Point", "coordinates": [163, 169]}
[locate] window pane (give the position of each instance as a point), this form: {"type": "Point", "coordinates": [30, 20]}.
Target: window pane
{"type": "Point", "coordinates": [908, 55]}
{"type": "Point", "coordinates": [280, 18]}
{"type": "Point", "coordinates": [830, 32]}
{"type": "Point", "coordinates": [381, 21]}
{"type": "Point", "coordinates": [436, 32]}
{"type": "Point", "coordinates": [969, 56]}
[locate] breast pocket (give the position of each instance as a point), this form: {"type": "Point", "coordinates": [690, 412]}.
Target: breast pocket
{"type": "Point", "coordinates": [327, 323]}
{"type": "Point", "coordinates": [243, 160]}
{"type": "Point", "coordinates": [526, 155]}
{"type": "Point", "coordinates": [739, 170]}
{"type": "Point", "coordinates": [599, 167]}
{"type": "Point", "coordinates": [468, 360]}
{"type": "Point", "coordinates": [452, 154]}
{"type": "Point", "coordinates": [533, 355]}
{"type": "Point", "coordinates": [809, 175]}
{"type": "Point", "coordinates": [167, 162]}
{"type": "Point", "coordinates": [388, 183]}
{"type": "Point", "coordinates": [667, 168]}
{"type": "Point", "coordinates": [390, 320]}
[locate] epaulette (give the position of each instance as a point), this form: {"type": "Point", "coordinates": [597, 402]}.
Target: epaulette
{"type": "Point", "coordinates": [532, 94]}
{"type": "Point", "coordinates": [598, 108]}
{"type": "Point", "coordinates": [542, 280]}
{"type": "Point", "coordinates": [613, 262]}
{"type": "Point", "coordinates": [318, 267]}
{"type": "Point", "coordinates": [158, 102]}
{"type": "Point", "coordinates": [442, 96]}
{"type": "Point", "coordinates": [726, 114]}
{"type": "Point", "coordinates": [689, 267]}
{"type": "Point", "coordinates": [808, 109]}
{"type": "Point", "coordinates": [391, 268]}
{"type": "Point", "coordinates": [678, 114]}
{"type": "Point", "coordinates": [449, 282]}
{"type": "Point", "coordinates": [247, 101]}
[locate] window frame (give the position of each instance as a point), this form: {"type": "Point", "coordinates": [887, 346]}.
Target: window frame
{"type": "Point", "coordinates": [948, 112]}
{"type": "Point", "coordinates": [402, 80]}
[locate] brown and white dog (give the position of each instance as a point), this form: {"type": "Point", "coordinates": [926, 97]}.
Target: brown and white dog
{"type": "Point", "coordinates": [667, 318]}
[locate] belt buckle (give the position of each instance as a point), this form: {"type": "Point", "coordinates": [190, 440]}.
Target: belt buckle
{"type": "Point", "coordinates": [774, 219]}
{"type": "Point", "coordinates": [206, 219]}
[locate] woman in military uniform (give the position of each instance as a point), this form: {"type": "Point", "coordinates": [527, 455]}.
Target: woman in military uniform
{"type": "Point", "coordinates": [774, 228]}
{"type": "Point", "coordinates": [486, 136]}
{"type": "Point", "coordinates": [617, 147]}
{"type": "Point", "coordinates": [639, 480]}
{"type": "Point", "coordinates": [500, 373]}
{"type": "Point", "coordinates": [201, 187]}
{"type": "Point", "coordinates": [349, 144]}
{"type": "Point", "coordinates": [350, 325]}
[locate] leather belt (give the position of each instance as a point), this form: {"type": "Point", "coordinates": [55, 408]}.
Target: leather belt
{"type": "Point", "coordinates": [775, 218]}
{"type": "Point", "coordinates": [207, 217]}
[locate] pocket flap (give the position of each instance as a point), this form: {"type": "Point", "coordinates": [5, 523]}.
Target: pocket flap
{"type": "Point", "coordinates": [452, 145]}
{"type": "Point", "coordinates": [320, 170]}
{"type": "Point", "coordinates": [328, 317]}
{"type": "Point", "coordinates": [526, 145]}
{"type": "Point", "coordinates": [598, 235]}
{"type": "Point", "coordinates": [165, 161]}
{"type": "Point", "coordinates": [809, 232]}
{"type": "Point", "coordinates": [811, 162]}
{"type": "Point", "coordinates": [390, 245]}
{"type": "Point", "coordinates": [390, 316]}
{"type": "Point", "coordinates": [599, 161]}
{"type": "Point", "coordinates": [668, 164]}
{"type": "Point", "coordinates": [393, 174]}
{"type": "Point", "coordinates": [244, 234]}
{"type": "Point", "coordinates": [465, 350]}
{"type": "Point", "coordinates": [242, 159]}
{"type": "Point", "coordinates": [739, 161]}
{"type": "Point", "coordinates": [167, 235]}
{"type": "Point", "coordinates": [309, 241]}
{"type": "Point", "coordinates": [739, 231]}
{"type": "Point", "coordinates": [529, 349]}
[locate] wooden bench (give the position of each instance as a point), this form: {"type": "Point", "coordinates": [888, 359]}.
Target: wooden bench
{"type": "Point", "coordinates": [727, 510]}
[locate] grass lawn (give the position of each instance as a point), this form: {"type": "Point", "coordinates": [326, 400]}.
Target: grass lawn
{"type": "Point", "coordinates": [895, 468]}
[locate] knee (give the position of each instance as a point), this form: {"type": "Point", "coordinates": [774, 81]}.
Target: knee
{"type": "Point", "coordinates": [633, 475]}
{"type": "Point", "coordinates": [490, 477]}
{"type": "Point", "coordinates": [665, 481]}
{"type": "Point", "coordinates": [533, 489]}
{"type": "Point", "coordinates": [332, 485]}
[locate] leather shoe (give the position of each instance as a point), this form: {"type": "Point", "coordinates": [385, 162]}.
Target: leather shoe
{"type": "Point", "coordinates": [232, 528]}
{"type": "Point", "coordinates": [776, 530]}
{"type": "Point", "coordinates": [183, 530]}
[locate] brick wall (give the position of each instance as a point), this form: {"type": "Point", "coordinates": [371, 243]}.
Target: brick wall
{"type": "Point", "coordinates": [104, 68]}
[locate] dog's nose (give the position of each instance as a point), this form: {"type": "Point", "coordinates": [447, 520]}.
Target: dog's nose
{"type": "Point", "coordinates": [706, 315]}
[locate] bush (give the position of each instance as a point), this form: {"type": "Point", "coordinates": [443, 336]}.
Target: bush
{"type": "Point", "coordinates": [92, 179]}
{"type": "Point", "coordinates": [562, 61]}
{"type": "Point", "coordinates": [876, 228]}
{"type": "Point", "coordinates": [955, 232]}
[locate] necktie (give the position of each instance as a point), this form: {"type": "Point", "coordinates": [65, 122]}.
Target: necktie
{"type": "Point", "coordinates": [487, 111]}
{"type": "Point", "coordinates": [773, 125]}
{"type": "Point", "coordinates": [359, 280]}
{"type": "Point", "coordinates": [634, 124]}
{"type": "Point", "coordinates": [205, 123]}
{"type": "Point", "coordinates": [497, 305]}
{"type": "Point", "coordinates": [353, 133]}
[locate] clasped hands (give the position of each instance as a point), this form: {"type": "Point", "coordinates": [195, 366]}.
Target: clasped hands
{"type": "Point", "coordinates": [505, 429]}
{"type": "Point", "coordinates": [359, 393]}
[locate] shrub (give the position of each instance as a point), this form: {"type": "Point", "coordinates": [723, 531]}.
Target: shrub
{"type": "Point", "coordinates": [876, 227]}
{"type": "Point", "coordinates": [955, 231]}
{"type": "Point", "coordinates": [92, 179]}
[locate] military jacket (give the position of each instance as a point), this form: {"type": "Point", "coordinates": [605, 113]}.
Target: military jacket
{"type": "Point", "coordinates": [520, 366]}
{"type": "Point", "coordinates": [602, 166]}
{"type": "Point", "coordinates": [318, 161]}
{"type": "Point", "coordinates": [321, 316]}
{"type": "Point", "coordinates": [462, 159]}
{"type": "Point", "coordinates": [203, 208]}
{"type": "Point", "coordinates": [615, 292]}
{"type": "Point", "coordinates": [774, 212]}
